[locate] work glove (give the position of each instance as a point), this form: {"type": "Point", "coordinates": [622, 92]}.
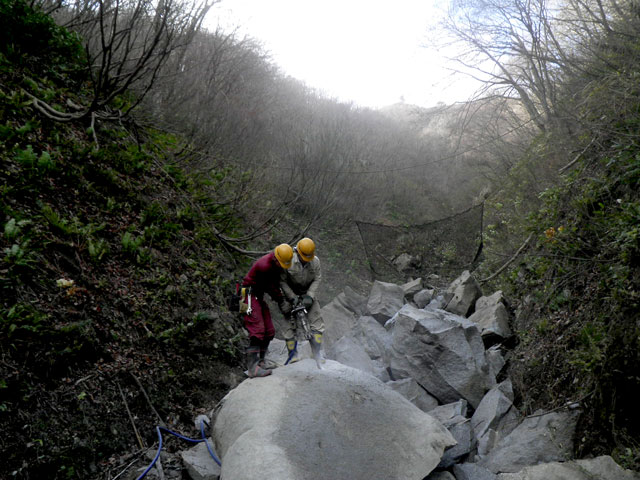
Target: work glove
{"type": "Point", "coordinates": [307, 301]}
{"type": "Point", "coordinates": [285, 307]}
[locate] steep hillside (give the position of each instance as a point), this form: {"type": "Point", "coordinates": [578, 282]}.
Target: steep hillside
{"type": "Point", "coordinates": [578, 315]}
{"type": "Point", "coordinates": [110, 272]}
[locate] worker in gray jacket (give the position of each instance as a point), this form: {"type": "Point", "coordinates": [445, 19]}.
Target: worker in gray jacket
{"type": "Point", "coordinates": [300, 282]}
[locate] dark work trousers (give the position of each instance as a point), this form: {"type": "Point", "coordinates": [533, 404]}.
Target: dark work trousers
{"type": "Point", "coordinates": [259, 323]}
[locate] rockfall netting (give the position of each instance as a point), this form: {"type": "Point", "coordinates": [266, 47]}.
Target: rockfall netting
{"type": "Point", "coordinates": [444, 247]}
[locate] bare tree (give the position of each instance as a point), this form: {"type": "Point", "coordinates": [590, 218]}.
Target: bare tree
{"type": "Point", "coordinates": [126, 44]}
{"type": "Point", "coordinates": [218, 91]}
{"type": "Point", "coordinates": [512, 46]}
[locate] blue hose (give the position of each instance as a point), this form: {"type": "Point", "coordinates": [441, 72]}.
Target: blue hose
{"type": "Point", "coordinates": [204, 439]}
{"type": "Point", "coordinates": [159, 429]}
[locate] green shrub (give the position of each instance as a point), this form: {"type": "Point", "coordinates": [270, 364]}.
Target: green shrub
{"type": "Point", "coordinates": [20, 255]}
{"type": "Point", "coordinates": [31, 38]}
{"type": "Point", "coordinates": [582, 275]}
{"type": "Point", "coordinates": [13, 228]}
{"type": "Point", "coordinates": [132, 246]}
{"type": "Point", "coordinates": [97, 249]}
{"type": "Point", "coordinates": [23, 317]}
{"type": "Point", "coordinates": [27, 157]}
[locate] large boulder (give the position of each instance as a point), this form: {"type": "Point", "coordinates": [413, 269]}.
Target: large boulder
{"type": "Point", "coordinates": [462, 294]}
{"type": "Point", "coordinates": [441, 351]}
{"type": "Point", "coordinates": [385, 299]}
{"type": "Point", "coordinates": [305, 423]}
{"type": "Point", "coordinates": [540, 438]}
{"type": "Point", "coordinates": [338, 321]}
{"type": "Point", "coordinates": [599, 468]}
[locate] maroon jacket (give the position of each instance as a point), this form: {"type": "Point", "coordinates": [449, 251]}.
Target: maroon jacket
{"type": "Point", "coordinates": [264, 277]}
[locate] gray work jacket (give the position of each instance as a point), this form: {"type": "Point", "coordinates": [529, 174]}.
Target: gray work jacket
{"type": "Point", "coordinates": [301, 278]}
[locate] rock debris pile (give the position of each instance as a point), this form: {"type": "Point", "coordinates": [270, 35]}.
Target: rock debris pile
{"type": "Point", "coordinates": [413, 388]}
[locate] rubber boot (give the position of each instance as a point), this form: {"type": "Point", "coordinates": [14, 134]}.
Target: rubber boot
{"type": "Point", "coordinates": [253, 367]}
{"type": "Point", "coordinates": [316, 348]}
{"type": "Point", "coordinates": [293, 352]}
{"type": "Point", "coordinates": [263, 363]}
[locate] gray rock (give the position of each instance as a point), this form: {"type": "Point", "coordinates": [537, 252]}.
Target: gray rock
{"type": "Point", "coordinates": [495, 358]}
{"type": "Point", "coordinates": [493, 321]}
{"type": "Point", "coordinates": [461, 430]}
{"type": "Point", "coordinates": [338, 321]}
{"type": "Point", "coordinates": [409, 389]}
{"type": "Point", "coordinates": [278, 352]}
{"type": "Point", "coordinates": [373, 337]}
{"type": "Point", "coordinates": [486, 442]}
{"type": "Point", "coordinates": [470, 471]}
{"type": "Point", "coordinates": [352, 301]}
{"type": "Point", "coordinates": [440, 476]}
{"type": "Point", "coordinates": [538, 439]}
{"type": "Point", "coordinates": [404, 262]}
{"type": "Point", "coordinates": [494, 405]}
{"type": "Point", "coordinates": [443, 352]}
{"type": "Point", "coordinates": [446, 413]}
{"type": "Point", "coordinates": [348, 352]}
{"type": "Point", "coordinates": [411, 288]}
{"type": "Point", "coordinates": [490, 438]}
{"type": "Point", "coordinates": [436, 303]}
{"type": "Point", "coordinates": [423, 297]}
{"type": "Point", "coordinates": [599, 468]}
{"type": "Point", "coordinates": [302, 423]}
{"type": "Point", "coordinates": [384, 300]}
{"type": "Point", "coordinates": [462, 294]}
{"type": "Point", "coordinates": [491, 300]}
{"type": "Point", "coordinates": [199, 463]}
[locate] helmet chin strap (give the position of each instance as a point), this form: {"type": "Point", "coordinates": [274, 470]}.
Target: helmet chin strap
{"type": "Point", "coordinates": [300, 257]}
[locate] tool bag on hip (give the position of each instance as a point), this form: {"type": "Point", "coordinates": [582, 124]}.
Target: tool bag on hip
{"type": "Point", "coordinates": [240, 300]}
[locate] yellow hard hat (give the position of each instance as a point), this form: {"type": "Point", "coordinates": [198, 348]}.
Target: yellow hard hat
{"type": "Point", "coordinates": [306, 249]}
{"type": "Point", "coordinates": [284, 255]}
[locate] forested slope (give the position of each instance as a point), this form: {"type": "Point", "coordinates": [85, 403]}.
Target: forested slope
{"type": "Point", "coordinates": [111, 274]}
{"type": "Point", "coordinates": [565, 196]}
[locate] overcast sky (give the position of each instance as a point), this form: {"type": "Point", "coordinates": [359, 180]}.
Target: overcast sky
{"type": "Point", "coordinates": [371, 52]}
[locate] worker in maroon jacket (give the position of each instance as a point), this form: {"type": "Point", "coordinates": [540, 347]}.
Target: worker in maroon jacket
{"type": "Point", "coordinates": [263, 277]}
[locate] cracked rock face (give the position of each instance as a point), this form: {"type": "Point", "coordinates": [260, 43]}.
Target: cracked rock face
{"type": "Point", "coordinates": [441, 351]}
